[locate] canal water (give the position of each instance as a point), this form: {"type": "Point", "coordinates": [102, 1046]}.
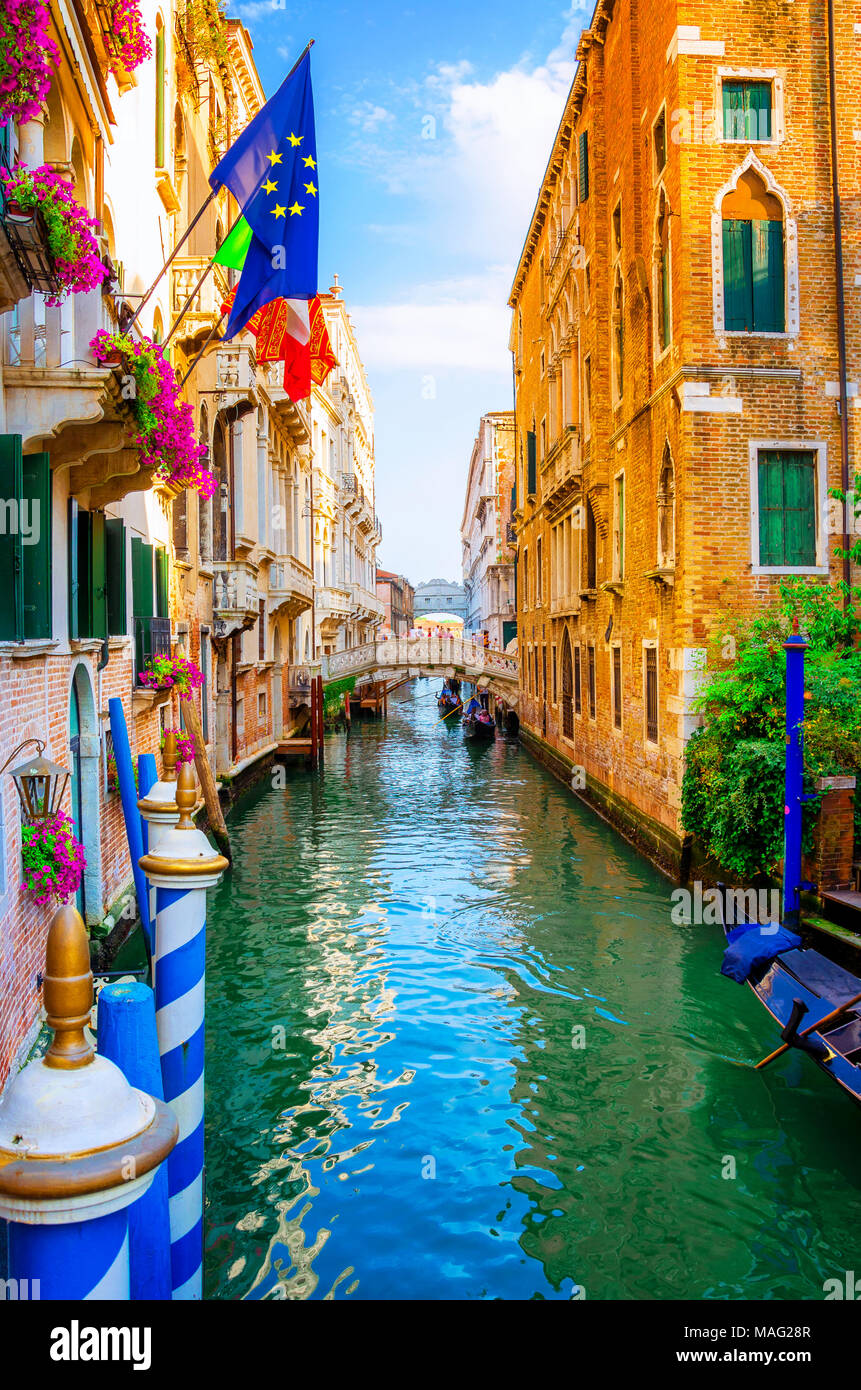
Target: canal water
{"type": "Point", "coordinates": [457, 1049]}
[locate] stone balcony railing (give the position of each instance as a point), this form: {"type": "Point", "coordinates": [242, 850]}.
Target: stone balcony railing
{"type": "Point", "coordinates": [291, 586]}
{"type": "Point", "coordinates": [205, 308]}
{"type": "Point", "coordinates": [235, 369]}
{"type": "Point", "coordinates": [235, 597]}
{"type": "Point", "coordinates": [366, 606]}
{"type": "Point", "coordinates": [334, 605]}
{"type": "Point", "coordinates": [562, 470]}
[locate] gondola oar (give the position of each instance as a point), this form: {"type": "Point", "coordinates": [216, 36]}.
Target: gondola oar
{"type": "Point", "coordinates": [813, 1028]}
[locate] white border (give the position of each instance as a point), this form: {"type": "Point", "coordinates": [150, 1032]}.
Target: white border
{"type": "Point", "coordinates": [790, 237]}
{"type": "Point", "coordinates": [808, 446]}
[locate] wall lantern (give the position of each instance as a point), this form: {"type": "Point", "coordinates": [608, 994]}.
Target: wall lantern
{"type": "Point", "coordinates": [40, 783]}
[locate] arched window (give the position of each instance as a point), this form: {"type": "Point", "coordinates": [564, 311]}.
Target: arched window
{"type": "Point", "coordinates": [221, 499]}
{"type": "Point", "coordinates": [667, 513]}
{"type": "Point", "coordinates": [662, 275]}
{"type": "Point", "coordinates": [754, 258]}
{"type": "Point", "coordinates": [567, 688]}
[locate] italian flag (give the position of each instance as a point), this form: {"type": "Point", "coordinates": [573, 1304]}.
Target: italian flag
{"type": "Point", "coordinates": [292, 331]}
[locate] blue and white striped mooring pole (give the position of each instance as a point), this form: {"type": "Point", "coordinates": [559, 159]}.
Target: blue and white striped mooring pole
{"type": "Point", "coordinates": [181, 868]}
{"type": "Point", "coordinates": [795, 647]}
{"type": "Point", "coordinates": [78, 1145]}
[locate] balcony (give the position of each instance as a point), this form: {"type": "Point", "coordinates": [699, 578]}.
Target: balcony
{"type": "Point", "coordinates": [16, 275]}
{"type": "Point", "coordinates": [334, 606]}
{"type": "Point", "coordinates": [204, 311]}
{"type": "Point", "coordinates": [291, 587]}
{"type": "Point", "coordinates": [235, 597]}
{"type": "Point", "coordinates": [366, 606]}
{"type": "Point", "coordinates": [562, 471]}
{"type": "Point", "coordinates": [235, 373]}
{"type": "Point", "coordinates": [293, 415]}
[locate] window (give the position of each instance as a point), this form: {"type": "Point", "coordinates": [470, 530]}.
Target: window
{"type": "Point", "coordinates": [617, 230]}
{"type": "Point", "coordinates": [787, 508]}
{"type": "Point", "coordinates": [204, 689]}
{"type": "Point", "coordinates": [590, 677]}
{"type": "Point", "coordinates": [526, 577]}
{"type": "Point", "coordinates": [619, 526]}
{"type": "Point", "coordinates": [88, 580]}
{"type": "Point", "coordinates": [568, 687]}
{"type": "Point", "coordinates": [578, 683]}
{"type": "Point", "coordinates": [531, 464]}
{"type": "Point", "coordinates": [261, 710]}
{"type": "Point", "coordinates": [115, 564]}
{"type": "Point", "coordinates": [587, 398]}
{"type": "Point", "coordinates": [747, 111]}
{"type": "Point", "coordinates": [591, 549]}
{"type": "Point", "coordinates": [662, 273]}
{"type": "Point", "coordinates": [538, 570]}
{"type": "Point", "coordinates": [179, 510]}
{"type": "Point", "coordinates": [659, 143]}
{"type": "Point", "coordinates": [583, 147]}
{"type": "Point", "coordinates": [618, 339]}
{"type": "Point", "coordinates": [651, 701]}
{"type": "Point", "coordinates": [25, 542]}
{"type": "Point", "coordinates": [543, 440]}
{"type": "Point", "coordinates": [667, 513]}
{"type": "Point", "coordinates": [553, 663]}
{"type": "Point", "coordinates": [617, 687]}
{"type": "Point", "coordinates": [261, 629]}
{"type": "Point", "coordinates": [753, 258]}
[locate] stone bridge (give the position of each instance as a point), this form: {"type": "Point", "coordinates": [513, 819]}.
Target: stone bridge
{"type": "Point", "coordinates": [403, 657]}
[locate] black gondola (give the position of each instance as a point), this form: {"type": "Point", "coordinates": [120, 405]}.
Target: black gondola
{"type": "Point", "coordinates": [479, 727]}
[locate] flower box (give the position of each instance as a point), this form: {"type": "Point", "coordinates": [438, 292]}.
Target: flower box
{"type": "Point", "coordinates": [51, 233]}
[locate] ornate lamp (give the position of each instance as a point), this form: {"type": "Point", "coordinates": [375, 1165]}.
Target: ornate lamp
{"type": "Point", "coordinates": [40, 783]}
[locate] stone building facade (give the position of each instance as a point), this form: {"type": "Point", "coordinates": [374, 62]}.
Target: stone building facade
{"type": "Point", "coordinates": [397, 596]}
{"type": "Point", "coordinates": [346, 528]}
{"type": "Point", "coordinates": [675, 332]}
{"type": "Point", "coordinates": [440, 596]}
{"type": "Point", "coordinates": [486, 532]}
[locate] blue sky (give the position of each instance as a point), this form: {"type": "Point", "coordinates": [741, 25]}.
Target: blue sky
{"type": "Point", "coordinates": [434, 125]}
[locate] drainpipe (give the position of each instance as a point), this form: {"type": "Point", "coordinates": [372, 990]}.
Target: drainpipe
{"type": "Point", "coordinates": [841, 300]}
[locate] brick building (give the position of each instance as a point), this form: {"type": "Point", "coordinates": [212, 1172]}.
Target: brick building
{"type": "Point", "coordinates": [680, 398]}
{"type": "Point", "coordinates": [397, 596]}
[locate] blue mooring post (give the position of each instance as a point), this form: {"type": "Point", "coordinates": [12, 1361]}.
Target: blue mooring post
{"type": "Point", "coordinates": [129, 799]}
{"type": "Point", "coordinates": [181, 867]}
{"type": "Point", "coordinates": [147, 778]}
{"type": "Point", "coordinates": [78, 1145]}
{"type": "Point", "coordinates": [795, 647]}
{"type": "Point", "coordinates": [127, 1037]}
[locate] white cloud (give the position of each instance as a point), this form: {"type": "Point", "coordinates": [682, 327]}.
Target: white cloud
{"type": "Point", "coordinates": [452, 324]}
{"type": "Point", "coordinates": [368, 117]}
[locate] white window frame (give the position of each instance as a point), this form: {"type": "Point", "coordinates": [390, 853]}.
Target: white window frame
{"type": "Point", "coordinates": [619, 571]}
{"type": "Point", "coordinates": [658, 174]}
{"type": "Point", "coordinates": [807, 446]}
{"type": "Point", "coordinates": [651, 644]}
{"type": "Point", "coordinates": [790, 267]}
{"type": "Point", "coordinates": [778, 124]}
{"type": "Point", "coordinates": [617, 729]}
{"type": "Point", "coordinates": [661, 352]}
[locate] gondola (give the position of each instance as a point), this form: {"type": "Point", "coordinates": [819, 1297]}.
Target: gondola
{"type": "Point", "coordinates": [801, 987]}
{"type": "Point", "coordinates": [447, 702]}
{"type": "Point", "coordinates": [481, 730]}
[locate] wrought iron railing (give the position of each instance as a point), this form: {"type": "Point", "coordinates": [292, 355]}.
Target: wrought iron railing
{"type": "Point", "coordinates": [152, 640]}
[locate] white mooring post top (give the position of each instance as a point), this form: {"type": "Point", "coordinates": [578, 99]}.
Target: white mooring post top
{"type": "Point", "coordinates": [76, 1140]}
{"type": "Point", "coordinates": [184, 858]}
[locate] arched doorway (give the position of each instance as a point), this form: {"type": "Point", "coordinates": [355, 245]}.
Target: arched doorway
{"type": "Point", "coordinates": [84, 785]}
{"type": "Point", "coordinates": [567, 688]}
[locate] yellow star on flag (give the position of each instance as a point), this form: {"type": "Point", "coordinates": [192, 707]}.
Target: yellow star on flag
{"type": "Point", "coordinates": [269, 186]}
{"type": "Point", "coordinates": [273, 157]}
{"type": "Point", "coordinates": [295, 139]}
{"type": "Point", "coordinates": [309, 188]}
{"type": "Point", "coordinates": [296, 210]}
{"type": "Point", "coordinates": [278, 210]}
{"type": "Point", "coordinates": [310, 162]}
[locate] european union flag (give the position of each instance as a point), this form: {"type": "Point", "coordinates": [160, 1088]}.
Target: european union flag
{"type": "Point", "coordinates": [271, 170]}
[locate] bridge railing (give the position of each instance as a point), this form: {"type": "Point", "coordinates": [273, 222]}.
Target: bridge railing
{"type": "Point", "coordinates": [426, 652]}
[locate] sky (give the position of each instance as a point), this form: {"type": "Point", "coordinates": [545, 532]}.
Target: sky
{"type": "Point", "coordinates": [434, 127]}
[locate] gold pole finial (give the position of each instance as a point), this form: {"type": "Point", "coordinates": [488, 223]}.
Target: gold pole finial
{"type": "Point", "coordinates": [186, 796]}
{"type": "Point", "coordinates": [168, 757]}
{"type": "Point", "coordinates": [68, 990]}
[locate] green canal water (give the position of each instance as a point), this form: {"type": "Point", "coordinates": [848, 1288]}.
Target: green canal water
{"type": "Point", "coordinates": [397, 1104]}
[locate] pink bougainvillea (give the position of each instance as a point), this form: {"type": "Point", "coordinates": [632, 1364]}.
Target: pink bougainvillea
{"type": "Point", "coordinates": [166, 439]}
{"type": "Point", "coordinates": [26, 54]}
{"type": "Point", "coordinates": [177, 673]}
{"type": "Point", "coordinates": [53, 860]}
{"type": "Point", "coordinates": [73, 248]}
{"type": "Point", "coordinates": [184, 745]}
{"type": "Point", "coordinates": [131, 42]}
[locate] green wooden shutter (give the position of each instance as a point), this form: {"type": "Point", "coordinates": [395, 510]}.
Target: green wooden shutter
{"type": "Point", "coordinates": [737, 276]}
{"type": "Point", "coordinates": [531, 462]}
{"type": "Point", "coordinates": [799, 498]}
{"type": "Point", "coordinates": [141, 579]}
{"type": "Point", "coordinates": [665, 298]}
{"type": "Point", "coordinates": [72, 552]}
{"type": "Point", "coordinates": [98, 577]}
{"type": "Point", "coordinates": [758, 111]}
{"type": "Point", "coordinates": [85, 573]}
{"type": "Point", "coordinates": [115, 559]}
{"type": "Point", "coordinates": [770, 472]}
{"type": "Point", "coordinates": [162, 585]}
{"type": "Point", "coordinates": [11, 590]}
{"type": "Point", "coordinates": [36, 556]}
{"type": "Point", "coordinates": [767, 277]}
{"type": "Point", "coordinates": [733, 111]}
{"type": "Point", "coordinates": [584, 165]}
